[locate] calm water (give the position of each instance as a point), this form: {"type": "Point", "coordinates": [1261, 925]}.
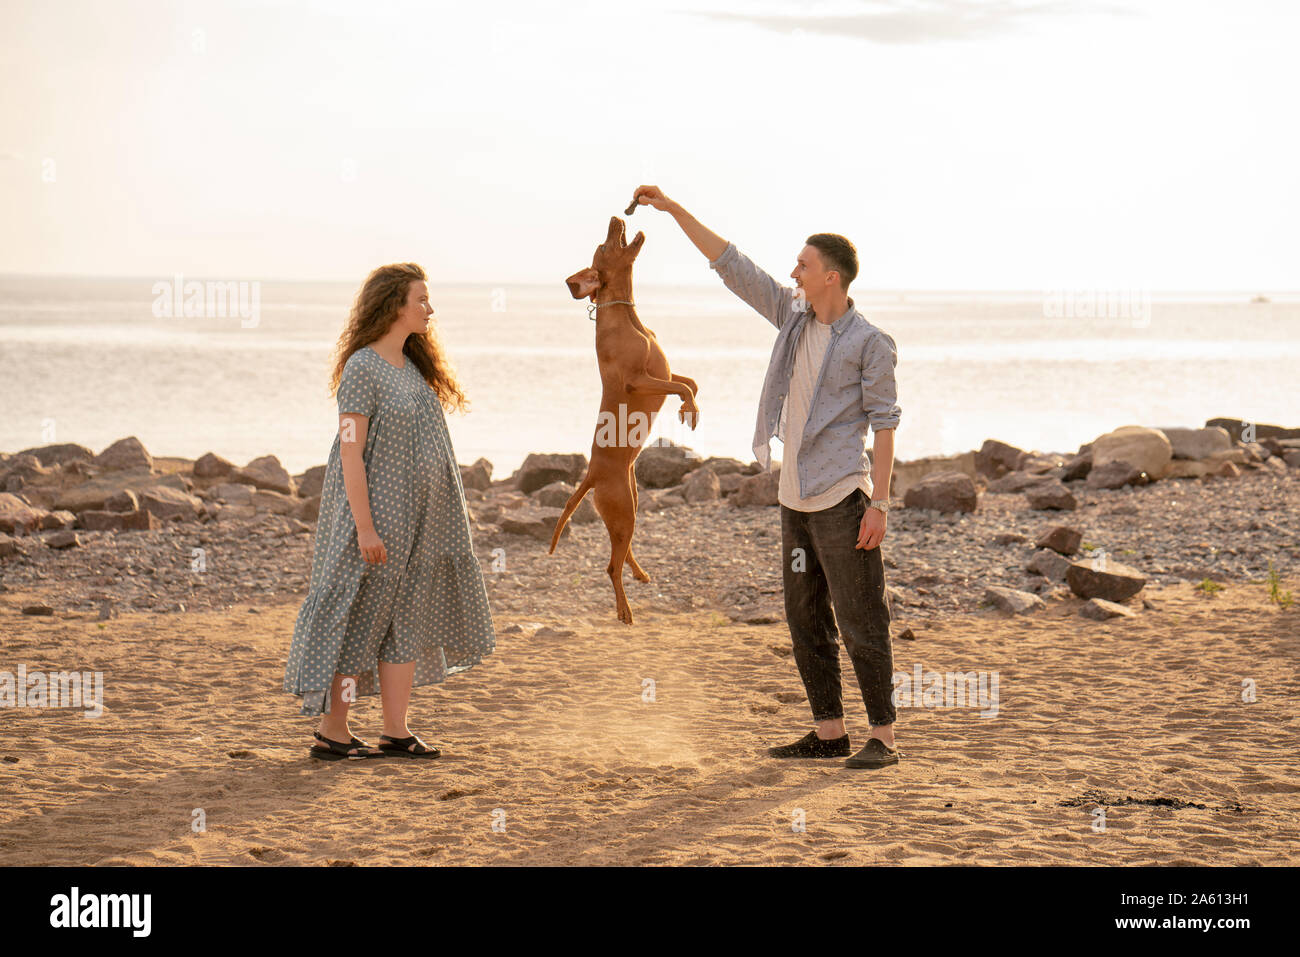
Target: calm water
{"type": "Point", "coordinates": [85, 360]}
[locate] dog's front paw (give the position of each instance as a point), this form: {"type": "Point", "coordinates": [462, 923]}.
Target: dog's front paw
{"type": "Point", "coordinates": [689, 413]}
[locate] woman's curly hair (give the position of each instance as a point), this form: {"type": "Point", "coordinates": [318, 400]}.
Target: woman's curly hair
{"type": "Point", "coordinates": [373, 313]}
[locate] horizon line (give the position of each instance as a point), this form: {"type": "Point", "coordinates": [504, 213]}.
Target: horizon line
{"type": "Point", "coordinates": [881, 290]}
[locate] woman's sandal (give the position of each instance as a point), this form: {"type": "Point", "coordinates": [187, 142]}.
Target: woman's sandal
{"type": "Point", "coordinates": [329, 750]}
{"type": "Point", "coordinates": [401, 747]}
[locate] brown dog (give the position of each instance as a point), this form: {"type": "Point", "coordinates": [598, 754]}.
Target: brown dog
{"type": "Point", "coordinates": [634, 379]}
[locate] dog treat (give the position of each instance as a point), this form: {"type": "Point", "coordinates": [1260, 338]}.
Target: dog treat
{"type": "Point", "coordinates": [631, 207]}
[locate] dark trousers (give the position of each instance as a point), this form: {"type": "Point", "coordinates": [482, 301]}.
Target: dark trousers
{"type": "Point", "coordinates": [830, 569]}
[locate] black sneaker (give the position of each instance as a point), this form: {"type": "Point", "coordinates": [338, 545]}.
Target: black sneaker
{"type": "Point", "coordinates": [874, 755]}
{"type": "Point", "coordinates": [811, 746]}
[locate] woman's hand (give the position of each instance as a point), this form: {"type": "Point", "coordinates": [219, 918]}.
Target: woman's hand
{"type": "Point", "coordinates": [372, 549]}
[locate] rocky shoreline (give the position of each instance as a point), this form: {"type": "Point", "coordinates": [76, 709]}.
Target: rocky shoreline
{"type": "Point", "coordinates": [89, 535]}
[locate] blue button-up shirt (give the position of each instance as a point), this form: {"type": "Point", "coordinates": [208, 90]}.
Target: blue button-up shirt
{"type": "Point", "coordinates": [855, 390]}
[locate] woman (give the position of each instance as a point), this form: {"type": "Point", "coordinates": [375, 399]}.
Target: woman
{"type": "Point", "coordinates": [397, 597]}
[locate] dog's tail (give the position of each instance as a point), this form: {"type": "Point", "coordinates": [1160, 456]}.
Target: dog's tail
{"type": "Point", "coordinates": [569, 508]}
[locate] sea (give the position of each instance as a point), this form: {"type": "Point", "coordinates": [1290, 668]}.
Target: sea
{"type": "Point", "coordinates": [246, 372]}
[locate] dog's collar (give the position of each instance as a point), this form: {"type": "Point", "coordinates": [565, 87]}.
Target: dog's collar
{"type": "Point", "coordinates": [591, 309]}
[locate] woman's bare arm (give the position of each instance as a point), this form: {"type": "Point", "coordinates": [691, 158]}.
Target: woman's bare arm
{"type": "Point", "coordinates": [352, 440]}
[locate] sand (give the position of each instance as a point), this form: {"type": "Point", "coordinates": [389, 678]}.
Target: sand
{"type": "Point", "coordinates": [551, 755]}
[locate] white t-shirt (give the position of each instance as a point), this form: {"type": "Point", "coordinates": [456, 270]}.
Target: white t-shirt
{"type": "Point", "coordinates": [811, 351]}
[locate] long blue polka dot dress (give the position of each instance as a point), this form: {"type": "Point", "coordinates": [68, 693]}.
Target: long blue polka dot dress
{"type": "Point", "coordinates": [428, 603]}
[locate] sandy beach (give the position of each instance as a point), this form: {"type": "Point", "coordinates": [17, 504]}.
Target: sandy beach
{"type": "Point", "coordinates": [551, 742]}
{"type": "Point", "coordinates": [1161, 731]}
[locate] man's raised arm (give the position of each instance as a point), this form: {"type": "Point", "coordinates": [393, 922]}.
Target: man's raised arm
{"type": "Point", "coordinates": [768, 297]}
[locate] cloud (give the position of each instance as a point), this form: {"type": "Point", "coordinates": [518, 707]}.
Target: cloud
{"type": "Point", "coordinates": [917, 21]}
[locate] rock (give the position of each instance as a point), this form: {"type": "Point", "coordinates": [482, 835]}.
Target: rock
{"type": "Point", "coordinates": [1235, 427]}
{"type": "Point", "coordinates": [723, 466]}
{"type": "Point", "coordinates": [308, 509]}
{"type": "Point", "coordinates": [1076, 468]}
{"type": "Point", "coordinates": [128, 453]}
{"type": "Point", "coordinates": [232, 493]}
{"type": "Point", "coordinates": [662, 466]}
{"type": "Point", "coordinates": [210, 466]}
{"type": "Point", "coordinates": [125, 500]}
{"type": "Point", "coordinates": [1292, 459]}
{"type": "Point", "coordinates": [534, 522]}
{"type": "Point", "coordinates": [477, 476]}
{"type": "Point", "coordinates": [310, 482]}
{"type": "Point", "coordinates": [1062, 539]}
{"type": "Point", "coordinates": [139, 521]}
{"type": "Point", "coordinates": [668, 496]}
{"type": "Point", "coordinates": [62, 454]}
{"type": "Point", "coordinates": [1014, 482]}
{"type": "Point", "coordinates": [731, 481]}
{"type": "Point", "coordinates": [166, 503]}
{"type": "Point", "coordinates": [907, 474]}
{"type": "Point", "coordinates": [1183, 469]}
{"type": "Point", "coordinates": [995, 459]}
{"type": "Point", "coordinates": [1011, 600]}
{"type": "Point", "coordinates": [1104, 578]}
{"type": "Point", "coordinates": [539, 470]}
{"type": "Point", "coordinates": [275, 503]}
{"type": "Point", "coordinates": [37, 610]}
{"type": "Point", "coordinates": [1255, 452]}
{"type": "Point", "coordinates": [557, 495]}
{"type": "Point", "coordinates": [1039, 462]}
{"type": "Point", "coordinates": [1099, 609]}
{"type": "Point", "coordinates": [8, 546]}
{"type": "Point", "coordinates": [1147, 450]}
{"type": "Point", "coordinates": [23, 469]}
{"type": "Point", "coordinates": [943, 492]}
{"type": "Point", "coordinates": [1115, 475]}
{"type": "Point", "coordinates": [1052, 495]}
{"type": "Point", "coordinates": [265, 472]}
{"type": "Point", "coordinates": [1050, 564]}
{"type": "Point", "coordinates": [1225, 470]}
{"type": "Point", "coordinates": [64, 539]}
{"type": "Point", "coordinates": [1236, 456]}
{"type": "Point", "coordinates": [702, 485]}
{"type": "Point", "coordinates": [94, 494]}
{"type": "Point", "coordinates": [1009, 538]}
{"type": "Point", "coordinates": [232, 513]}
{"type": "Point", "coordinates": [758, 489]}
{"type": "Point", "coordinates": [1198, 443]}
{"type": "Point", "coordinates": [17, 516]}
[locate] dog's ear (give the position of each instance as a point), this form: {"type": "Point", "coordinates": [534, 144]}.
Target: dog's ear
{"type": "Point", "coordinates": [583, 284]}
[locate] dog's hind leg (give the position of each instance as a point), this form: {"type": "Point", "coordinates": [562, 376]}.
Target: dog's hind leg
{"type": "Point", "coordinates": [637, 571]}
{"type": "Point", "coordinates": [614, 503]}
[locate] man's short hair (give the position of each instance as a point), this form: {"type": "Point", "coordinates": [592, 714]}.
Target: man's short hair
{"type": "Point", "coordinates": [838, 254]}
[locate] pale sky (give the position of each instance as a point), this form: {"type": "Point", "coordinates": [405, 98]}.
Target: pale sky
{"type": "Point", "coordinates": [960, 145]}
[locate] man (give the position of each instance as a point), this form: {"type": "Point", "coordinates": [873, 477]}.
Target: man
{"type": "Point", "coordinates": [831, 377]}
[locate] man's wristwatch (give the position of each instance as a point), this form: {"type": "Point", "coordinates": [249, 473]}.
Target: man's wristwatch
{"type": "Point", "coordinates": [880, 503]}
